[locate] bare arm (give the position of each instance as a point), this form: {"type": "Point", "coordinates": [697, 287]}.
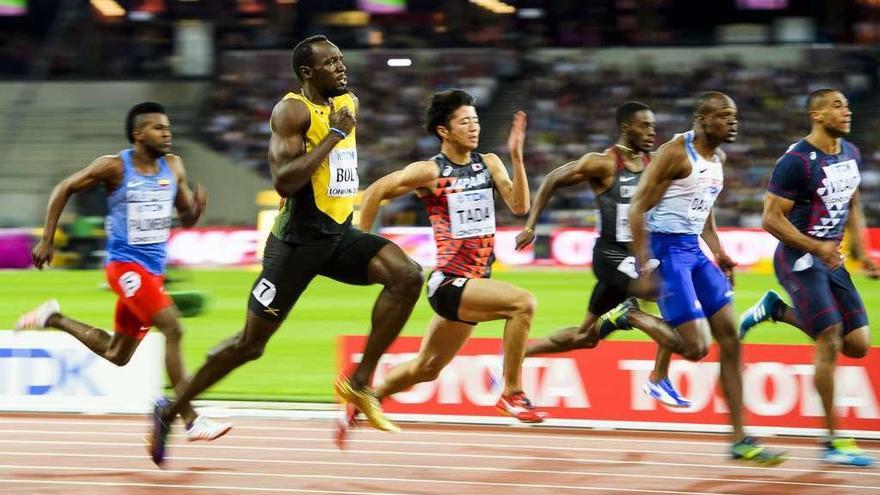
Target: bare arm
{"type": "Point", "coordinates": [669, 163]}
{"type": "Point", "coordinates": [775, 221]}
{"type": "Point", "coordinates": [588, 166]}
{"type": "Point", "coordinates": [856, 225]}
{"type": "Point", "coordinates": [105, 170]}
{"type": "Point", "coordinates": [515, 193]}
{"type": "Point", "coordinates": [189, 206]}
{"type": "Point", "coordinates": [710, 235]}
{"type": "Point", "coordinates": [290, 165]}
{"type": "Point", "coordinates": [393, 185]}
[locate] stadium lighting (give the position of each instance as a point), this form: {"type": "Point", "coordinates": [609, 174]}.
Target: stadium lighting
{"type": "Point", "coordinates": [399, 62]}
{"type": "Point", "coordinates": [495, 6]}
{"type": "Point", "coordinates": [108, 8]}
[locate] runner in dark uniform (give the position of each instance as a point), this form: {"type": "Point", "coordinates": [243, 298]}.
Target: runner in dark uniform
{"type": "Point", "coordinates": [313, 160]}
{"type": "Point", "coordinates": [812, 198]}
{"type": "Point", "coordinates": [613, 176]}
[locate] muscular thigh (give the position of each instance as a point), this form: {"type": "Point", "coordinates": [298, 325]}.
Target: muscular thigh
{"type": "Point", "coordinates": [808, 284]}
{"type": "Point", "coordinates": [287, 271]}
{"type": "Point", "coordinates": [849, 301]}
{"type": "Point", "coordinates": [485, 299]}
{"type": "Point", "coordinates": [351, 258]}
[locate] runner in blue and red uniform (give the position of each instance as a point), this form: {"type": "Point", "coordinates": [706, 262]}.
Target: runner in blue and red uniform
{"type": "Point", "coordinates": [145, 183]}
{"type": "Point", "coordinates": [811, 199]}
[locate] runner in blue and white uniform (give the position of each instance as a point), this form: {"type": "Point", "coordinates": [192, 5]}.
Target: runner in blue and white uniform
{"type": "Point", "coordinates": [674, 203]}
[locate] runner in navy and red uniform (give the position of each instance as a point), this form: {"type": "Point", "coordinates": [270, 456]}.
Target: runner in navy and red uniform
{"type": "Point", "coordinates": [145, 183]}
{"type": "Point", "coordinates": [812, 198]}
{"type": "Point", "coordinates": [458, 187]}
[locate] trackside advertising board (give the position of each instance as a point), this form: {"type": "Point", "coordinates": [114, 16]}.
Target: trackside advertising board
{"type": "Point", "coordinates": [51, 371]}
{"type": "Point", "coordinates": [605, 385]}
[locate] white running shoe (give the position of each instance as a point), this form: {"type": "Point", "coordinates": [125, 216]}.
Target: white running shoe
{"type": "Point", "coordinates": [37, 319]}
{"type": "Point", "coordinates": [205, 429]}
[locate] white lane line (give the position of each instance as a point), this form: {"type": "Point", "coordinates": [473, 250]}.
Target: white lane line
{"type": "Point", "coordinates": [431, 444]}
{"type": "Point", "coordinates": [558, 460]}
{"type": "Point", "coordinates": [195, 487]}
{"type": "Point", "coordinates": [485, 469]}
{"type": "Point", "coordinates": [412, 481]}
{"type": "Point", "coordinates": [525, 432]}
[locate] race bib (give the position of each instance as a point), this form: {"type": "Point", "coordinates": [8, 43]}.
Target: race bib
{"type": "Point", "coordinates": [472, 213]}
{"type": "Point", "coordinates": [623, 232]}
{"type": "Point", "coordinates": [701, 205]}
{"type": "Point", "coordinates": [343, 173]}
{"type": "Point", "coordinates": [149, 222]}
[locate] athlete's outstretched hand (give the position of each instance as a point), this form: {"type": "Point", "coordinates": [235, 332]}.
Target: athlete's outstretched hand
{"type": "Point", "coordinates": [524, 238]}
{"type": "Point", "coordinates": [341, 119]}
{"type": "Point", "coordinates": [517, 135]}
{"type": "Point", "coordinates": [42, 253]}
{"type": "Point", "coordinates": [726, 264]}
{"type": "Point", "coordinates": [872, 269]}
{"type": "Point", "coordinates": [828, 252]}
{"type": "Point", "coordinates": [200, 200]}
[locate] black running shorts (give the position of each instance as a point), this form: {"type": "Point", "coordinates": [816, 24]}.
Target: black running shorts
{"type": "Point", "coordinates": [289, 268]}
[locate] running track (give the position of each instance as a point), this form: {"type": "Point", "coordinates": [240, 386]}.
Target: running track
{"type": "Point", "coordinates": [105, 455]}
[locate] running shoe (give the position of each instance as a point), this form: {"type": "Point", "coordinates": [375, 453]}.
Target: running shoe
{"type": "Point", "coordinates": [161, 429]}
{"type": "Point", "coordinates": [520, 407]}
{"type": "Point", "coordinates": [344, 424]}
{"type": "Point", "coordinates": [748, 449]}
{"type": "Point", "coordinates": [844, 451]}
{"type": "Point", "coordinates": [39, 317]}
{"type": "Point", "coordinates": [205, 429]}
{"type": "Point", "coordinates": [364, 401]}
{"type": "Point", "coordinates": [761, 311]}
{"type": "Point", "coordinates": [665, 392]}
{"type": "Point", "coordinates": [615, 319]}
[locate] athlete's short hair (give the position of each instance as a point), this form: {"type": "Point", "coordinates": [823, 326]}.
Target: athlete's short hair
{"type": "Point", "coordinates": [303, 53]}
{"type": "Point", "coordinates": [705, 100]}
{"type": "Point", "coordinates": [628, 110]}
{"type": "Point", "coordinates": [817, 98]}
{"type": "Point", "coordinates": [443, 105]}
{"type": "Point", "coordinates": [136, 111]}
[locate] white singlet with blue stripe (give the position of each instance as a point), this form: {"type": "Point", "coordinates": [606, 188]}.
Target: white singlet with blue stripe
{"type": "Point", "coordinates": [686, 205]}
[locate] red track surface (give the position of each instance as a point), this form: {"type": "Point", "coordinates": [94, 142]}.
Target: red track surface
{"type": "Point", "coordinates": [105, 455]}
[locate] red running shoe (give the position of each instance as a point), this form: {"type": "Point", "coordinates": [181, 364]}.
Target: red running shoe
{"type": "Point", "coordinates": [344, 424]}
{"type": "Point", "coordinates": [520, 407]}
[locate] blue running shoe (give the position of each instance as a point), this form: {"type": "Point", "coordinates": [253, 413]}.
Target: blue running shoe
{"type": "Point", "coordinates": [748, 449]}
{"type": "Point", "coordinates": [844, 451]}
{"type": "Point", "coordinates": [761, 311]}
{"type": "Point", "coordinates": [161, 430]}
{"type": "Point", "coordinates": [664, 392]}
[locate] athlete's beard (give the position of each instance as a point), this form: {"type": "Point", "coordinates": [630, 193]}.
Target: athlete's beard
{"type": "Point", "coordinates": [835, 133]}
{"type": "Point", "coordinates": [333, 93]}
{"type": "Point", "coordinates": [156, 152]}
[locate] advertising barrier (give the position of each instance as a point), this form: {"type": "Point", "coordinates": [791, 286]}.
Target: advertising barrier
{"type": "Point", "coordinates": [603, 386]}
{"type": "Point", "coordinates": [568, 247]}
{"type": "Point", "coordinates": [54, 372]}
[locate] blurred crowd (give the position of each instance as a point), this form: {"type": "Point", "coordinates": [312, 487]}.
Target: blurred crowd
{"type": "Point", "coordinates": [570, 100]}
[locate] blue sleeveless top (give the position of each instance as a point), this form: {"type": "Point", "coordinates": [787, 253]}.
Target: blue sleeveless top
{"type": "Point", "coordinates": [140, 211]}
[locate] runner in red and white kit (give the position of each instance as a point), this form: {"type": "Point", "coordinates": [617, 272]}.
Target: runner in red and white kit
{"type": "Point", "coordinates": [457, 187]}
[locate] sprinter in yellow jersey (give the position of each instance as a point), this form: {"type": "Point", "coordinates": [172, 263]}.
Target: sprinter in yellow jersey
{"type": "Point", "coordinates": [313, 161]}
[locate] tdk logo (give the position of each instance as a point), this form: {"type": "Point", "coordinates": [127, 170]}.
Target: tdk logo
{"type": "Point", "coordinates": [39, 371]}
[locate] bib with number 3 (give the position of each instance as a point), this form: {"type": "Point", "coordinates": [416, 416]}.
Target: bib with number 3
{"type": "Point", "coordinates": [472, 213]}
